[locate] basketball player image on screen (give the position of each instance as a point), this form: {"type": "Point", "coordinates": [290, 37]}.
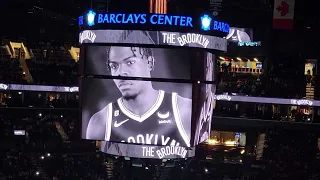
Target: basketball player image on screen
{"type": "Point", "coordinates": [207, 108]}
{"type": "Point", "coordinates": [143, 115]}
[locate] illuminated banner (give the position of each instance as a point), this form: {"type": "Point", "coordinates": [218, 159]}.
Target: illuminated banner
{"type": "Point", "coordinates": [146, 151]}
{"type": "Point", "coordinates": [149, 21]}
{"type": "Point", "coordinates": [223, 97]}
{"type": "Point", "coordinates": [219, 97]}
{"type": "Point", "coordinates": [21, 87]}
{"type": "Point", "coordinates": [296, 102]}
{"type": "Point", "coordinates": [248, 44]}
{"type": "Point", "coordinates": [19, 132]}
{"type": "Point", "coordinates": [304, 102]}
{"type": "Point", "coordinates": [154, 38]}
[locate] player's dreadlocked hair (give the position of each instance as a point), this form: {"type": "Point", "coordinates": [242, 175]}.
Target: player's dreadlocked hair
{"type": "Point", "coordinates": [140, 52]}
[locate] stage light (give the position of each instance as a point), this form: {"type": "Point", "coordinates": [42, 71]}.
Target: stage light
{"type": "Point", "coordinates": [48, 154]}
{"type": "Point", "coordinates": [37, 173]}
{"type": "Point", "coordinates": [42, 157]}
{"type": "Point", "coordinates": [239, 59]}
{"type": "Point", "coordinates": [255, 59]}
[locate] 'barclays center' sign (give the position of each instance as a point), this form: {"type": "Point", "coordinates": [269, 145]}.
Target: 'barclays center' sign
{"type": "Point", "coordinates": [198, 23]}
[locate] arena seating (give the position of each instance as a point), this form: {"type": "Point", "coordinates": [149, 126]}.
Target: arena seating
{"type": "Point", "coordinates": [10, 68]}
{"type": "Point", "coordinates": [52, 148]}
{"type": "Point", "coordinates": [53, 66]}
{"type": "Point", "coordinates": [258, 85]}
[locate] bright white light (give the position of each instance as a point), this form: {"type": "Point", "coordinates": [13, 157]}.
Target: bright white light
{"type": "Point", "coordinates": [48, 154]}
{"type": "Point", "coordinates": [42, 157]}
{"type": "Point", "coordinates": [37, 173]}
{"type": "Point", "coordinates": [206, 22]}
{"type": "Point", "coordinates": [19, 92]}
{"type": "Point", "coordinates": [206, 170]}
{"type": "Point", "coordinates": [147, 168]}
{"type": "Point", "coordinates": [40, 114]}
{"type": "Point", "coordinates": [242, 151]}
{"type": "Point", "coordinates": [61, 116]}
{"type": "Point", "coordinates": [90, 18]}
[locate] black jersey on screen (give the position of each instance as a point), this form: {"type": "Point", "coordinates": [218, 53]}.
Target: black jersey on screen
{"type": "Point", "coordinates": [160, 125]}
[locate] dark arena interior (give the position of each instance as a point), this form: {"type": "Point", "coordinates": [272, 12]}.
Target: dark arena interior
{"type": "Point", "coordinates": [264, 121]}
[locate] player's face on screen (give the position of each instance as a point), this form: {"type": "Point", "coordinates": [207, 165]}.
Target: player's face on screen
{"type": "Point", "coordinates": [127, 61]}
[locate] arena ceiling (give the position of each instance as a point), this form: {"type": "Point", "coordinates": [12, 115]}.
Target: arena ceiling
{"type": "Point", "coordinates": [46, 15]}
{"type": "Point", "coordinates": [305, 10]}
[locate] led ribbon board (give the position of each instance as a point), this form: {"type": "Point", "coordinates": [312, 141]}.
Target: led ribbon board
{"type": "Point", "coordinates": [147, 151]}
{"type": "Point", "coordinates": [219, 97]}
{"type": "Point", "coordinates": [155, 38]}
{"type": "Point", "coordinates": [196, 23]}
{"type": "Point", "coordinates": [249, 44]}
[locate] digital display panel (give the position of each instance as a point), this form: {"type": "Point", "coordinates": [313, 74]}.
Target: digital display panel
{"type": "Point", "coordinates": [206, 103]}
{"type": "Point", "coordinates": [240, 35]}
{"type": "Point", "coordinates": [158, 38]}
{"type": "Point", "coordinates": [146, 151]}
{"type": "Point", "coordinates": [135, 111]}
{"type": "Point", "coordinates": [19, 132]}
{"type": "Point", "coordinates": [144, 96]}
{"type": "Point", "coordinates": [140, 62]}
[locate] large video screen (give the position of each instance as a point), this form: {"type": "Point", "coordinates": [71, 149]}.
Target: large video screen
{"type": "Point", "coordinates": [125, 61]}
{"type": "Point", "coordinates": [146, 151]}
{"type": "Point", "coordinates": [146, 96]}
{"type": "Point", "coordinates": [135, 111]}
{"type": "Point", "coordinates": [205, 103]}
{"type": "Point", "coordinates": [163, 63]}
{"type": "Point", "coordinates": [240, 35]}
